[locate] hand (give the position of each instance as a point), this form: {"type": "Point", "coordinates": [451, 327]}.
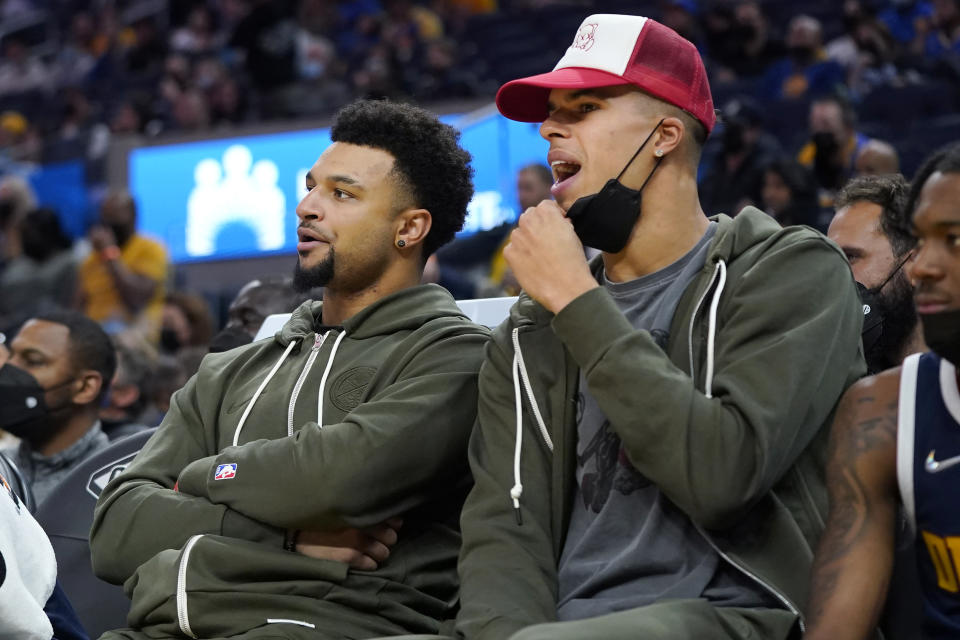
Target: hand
{"type": "Point", "coordinates": [102, 237]}
{"type": "Point", "coordinates": [364, 549]}
{"type": "Point", "coordinates": [547, 257]}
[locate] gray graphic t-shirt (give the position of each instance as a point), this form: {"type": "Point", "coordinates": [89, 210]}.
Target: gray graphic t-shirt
{"type": "Point", "coordinates": [627, 544]}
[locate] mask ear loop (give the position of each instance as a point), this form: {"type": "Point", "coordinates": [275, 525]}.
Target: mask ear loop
{"type": "Point", "coordinates": [634, 157]}
{"type": "Point", "coordinates": [894, 272]}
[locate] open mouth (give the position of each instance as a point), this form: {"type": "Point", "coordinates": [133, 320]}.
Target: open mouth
{"type": "Point", "coordinates": [563, 171]}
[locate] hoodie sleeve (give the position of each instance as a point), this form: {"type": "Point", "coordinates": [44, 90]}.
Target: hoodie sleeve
{"type": "Point", "coordinates": [787, 345]}
{"type": "Point", "coordinates": [140, 514]}
{"type": "Point", "coordinates": [402, 447]}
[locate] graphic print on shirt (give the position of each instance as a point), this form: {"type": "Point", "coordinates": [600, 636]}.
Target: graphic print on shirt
{"type": "Point", "coordinates": [606, 468]}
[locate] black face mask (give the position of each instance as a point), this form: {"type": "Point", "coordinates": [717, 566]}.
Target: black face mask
{"type": "Point", "coordinates": [229, 338]}
{"type": "Point", "coordinates": [825, 167]}
{"type": "Point", "coordinates": [169, 340]}
{"type": "Point", "coordinates": [941, 332]}
{"type": "Point", "coordinates": [121, 232]}
{"type": "Point", "coordinates": [888, 319]}
{"type": "Point", "coordinates": [802, 55]}
{"type": "Point", "coordinates": [606, 219]}
{"type": "Point", "coordinates": [23, 407]}
{"type": "Point", "coordinates": [733, 139]}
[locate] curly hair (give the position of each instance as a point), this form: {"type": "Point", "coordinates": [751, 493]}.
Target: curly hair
{"type": "Point", "coordinates": [890, 192]}
{"type": "Point", "coordinates": [429, 161]}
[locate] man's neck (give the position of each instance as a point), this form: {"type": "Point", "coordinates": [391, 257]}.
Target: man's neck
{"type": "Point", "coordinates": [914, 343]}
{"type": "Point", "coordinates": [74, 429]}
{"type": "Point", "coordinates": [339, 305]}
{"type": "Point", "coordinates": [670, 225]}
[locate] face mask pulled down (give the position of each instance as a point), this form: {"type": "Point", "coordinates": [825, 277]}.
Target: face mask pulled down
{"type": "Point", "coordinates": [606, 219]}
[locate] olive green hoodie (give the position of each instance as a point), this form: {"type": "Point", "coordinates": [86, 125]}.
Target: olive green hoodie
{"type": "Point", "coordinates": [196, 526]}
{"type": "Point", "coordinates": [730, 420]}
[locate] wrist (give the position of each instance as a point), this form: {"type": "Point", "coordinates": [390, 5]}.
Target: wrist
{"type": "Point", "coordinates": [561, 299]}
{"type": "Point", "coordinates": [109, 254]}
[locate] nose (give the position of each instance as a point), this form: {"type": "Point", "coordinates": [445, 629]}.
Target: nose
{"type": "Point", "coordinates": [309, 207]}
{"type": "Point", "coordinates": [554, 127]}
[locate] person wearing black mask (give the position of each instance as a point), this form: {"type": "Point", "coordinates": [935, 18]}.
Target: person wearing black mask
{"type": "Point", "coordinates": [43, 276]}
{"type": "Point", "coordinates": [871, 229]}
{"type": "Point", "coordinates": [122, 280]}
{"type": "Point", "coordinates": [896, 445]}
{"type": "Point", "coordinates": [834, 144]}
{"type": "Point", "coordinates": [51, 388]}
{"type": "Point", "coordinates": [735, 177]}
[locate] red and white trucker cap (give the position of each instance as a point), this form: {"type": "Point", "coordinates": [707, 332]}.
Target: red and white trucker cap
{"type": "Point", "coordinates": [611, 50]}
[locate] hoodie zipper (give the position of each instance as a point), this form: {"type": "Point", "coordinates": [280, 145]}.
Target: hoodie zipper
{"type": "Point", "coordinates": [317, 343]}
{"type": "Point", "coordinates": [750, 574]}
{"type": "Point", "coordinates": [693, 318]}
{"type": "Point", "coordinates": [182, 617]}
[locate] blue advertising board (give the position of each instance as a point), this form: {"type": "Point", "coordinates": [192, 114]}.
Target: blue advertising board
{"type": "Point", "coordinates": [236, 197]}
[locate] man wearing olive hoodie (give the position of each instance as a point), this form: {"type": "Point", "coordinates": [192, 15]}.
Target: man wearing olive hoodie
{"type": "Point", "coordinates": [346, 430]}
{"type": "Point", "coordinates": [651, 426]}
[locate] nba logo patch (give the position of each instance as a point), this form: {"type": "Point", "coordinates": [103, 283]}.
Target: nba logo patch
{"type": "Point", "coordinates": [226, 471]}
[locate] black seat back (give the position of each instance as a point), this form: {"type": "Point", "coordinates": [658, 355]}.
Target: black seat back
{"type": "Point", "coordinates": [67, 514]}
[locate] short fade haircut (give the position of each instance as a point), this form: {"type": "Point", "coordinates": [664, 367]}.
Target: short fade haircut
{"type": "Point", "coordinates": [890, 192]}
{"type": "Point", "coordinates": [90, 346]}
{"type": "Point", "coordinates": [945, 160]}
{"type": "Point", "coordinates": [428, 160]}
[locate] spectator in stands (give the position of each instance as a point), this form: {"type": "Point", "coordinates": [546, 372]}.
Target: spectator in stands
{"type": "Point", "coordinates": [870, 227]}
{"type": "Point", "coordinates": [908, 22]}
{"type": "Point", "coordinates": [254, 302]}
{"type": "Point", "coordinates": [43, 277]}
{"type": "Point", "coordinates": [866, 50]}
{"type": "Point", "coordinates": [876, 158]}
{"type": "Point", "coordinates": [64, 361]}
{"type": "Point", "coordinates": [834, 144]}
{"type": "Point", "coordinates": [77, 57]}
{"type": "Point", "coordinates": [741, 40]}
{"type": "Point", "coordinates": [474, 267]}
{"type": "Point", "coordinates": [944, 38]}
{"type": "Point", "coordinates": [644, 425]}
{"type": "Point", "coordinates": [21, 72]}
{"type": "Point", "coordinates": [266, 38]}
{"type": "Point", "coordinates": [197, 37]}
{"type": "Point", "coordinates": [127, 400]}
{"type": "Point", "coordinates": [383, 381]}
{"type": "Point", "coordinates": [122, 280]}
{"type": "Point", "coordinates": [736, 176]}
{"type": "Point", "coordinates": [187, 322]}
{"type": "Point", "coordinates": [806, 71]}
{"type": "Point", "coordinates": [789, 194]}
{"type": "Point", "coordinates": [16, 199]}
{"type": "Point", "coordinates": [170, 374]}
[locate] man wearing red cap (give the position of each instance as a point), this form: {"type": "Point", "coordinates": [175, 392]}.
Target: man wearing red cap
{"type": "Point", "coordinates": [651, 423]}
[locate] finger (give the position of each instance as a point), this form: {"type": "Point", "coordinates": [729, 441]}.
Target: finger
{"type": "Point", "coordinates": [355, 559]}
{"type": "Point", "coordinates": [383, 533]}
{"type": "Point", "coordinates": [394, 523]}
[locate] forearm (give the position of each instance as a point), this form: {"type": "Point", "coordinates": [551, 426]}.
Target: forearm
{"type": "Point", "coordinates": [135, 290]}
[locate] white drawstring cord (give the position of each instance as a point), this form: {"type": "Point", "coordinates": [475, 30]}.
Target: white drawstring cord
{"type": "Point", "coordinates": [518, 354]}
{"type": "Point", "coordinates": [253, 400]}
{"type": "Point", "coordinates": [712, 330]}
{"type": "Point", "coordinates": [323, 378]}
{"type": "Point", "coordinates": [517, 490]}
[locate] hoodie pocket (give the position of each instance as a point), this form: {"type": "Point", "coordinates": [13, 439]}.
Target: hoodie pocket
{"type": "Point", "coordinates": [217, 586]}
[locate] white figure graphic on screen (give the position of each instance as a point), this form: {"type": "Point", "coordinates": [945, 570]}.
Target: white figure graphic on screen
{"type": "Point", "coordinates": [238, 193]}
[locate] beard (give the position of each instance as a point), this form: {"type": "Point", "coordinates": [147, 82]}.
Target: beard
{"type": "Point", "coordinates": [318, 275]}
{"type": "Point", "coordinates": [899, 321]}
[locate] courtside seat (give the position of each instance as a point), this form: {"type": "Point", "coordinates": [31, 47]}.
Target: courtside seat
{"type": "Point", "coordinates": [67, 514]}
{"type": "Point", "coordinates": [486, 311]}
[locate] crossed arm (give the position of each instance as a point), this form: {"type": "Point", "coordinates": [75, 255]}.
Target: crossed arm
{"type": "Point", "coordinates": [854, 559]}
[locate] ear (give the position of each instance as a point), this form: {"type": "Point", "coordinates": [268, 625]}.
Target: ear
{"type": "Point", "coordinates": [90, 384]}
{"type": "Point", "coordinates": [413, 225]}
{"type": "Point", "coordinates": [669, 135]}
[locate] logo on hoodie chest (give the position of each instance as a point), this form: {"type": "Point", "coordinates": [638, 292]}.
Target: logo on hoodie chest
{"type": "Point", "coordinates": [348, 388]}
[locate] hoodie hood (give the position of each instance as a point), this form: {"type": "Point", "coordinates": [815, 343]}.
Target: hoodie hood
{"type": "Point", "coordinates": [403, 310]}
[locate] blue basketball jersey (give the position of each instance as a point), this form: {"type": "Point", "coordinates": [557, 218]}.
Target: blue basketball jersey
{"type": "Point", "coordinates": [928, 472]}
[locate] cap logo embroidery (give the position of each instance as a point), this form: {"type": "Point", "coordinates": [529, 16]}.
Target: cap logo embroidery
{"type": "Point", "coordinates": [584, 38]}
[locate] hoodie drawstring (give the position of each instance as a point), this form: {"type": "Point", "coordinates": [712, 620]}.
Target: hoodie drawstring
{"type": "Point", "coordinates": [323, 378]}
{"type": "Point", "coordinates": [712, 327]}
{"type": "Point", "coordinates": [519, 373]}
{"type": "Point", "coordinates": [253, 400]}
